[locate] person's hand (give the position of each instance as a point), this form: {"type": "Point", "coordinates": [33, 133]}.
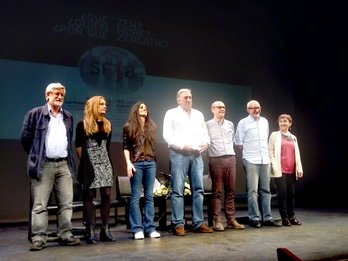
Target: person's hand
{"type": "Point", "coordinates": [130, 170]}
{"type": "Point", "coordinates": [300, 174]}
{"type": "Point", "coordinates": [187, 148]}
{"type": "Point", "coordinates": [203, 148]}
{"type": "Point", "coordinates": [197, 150]}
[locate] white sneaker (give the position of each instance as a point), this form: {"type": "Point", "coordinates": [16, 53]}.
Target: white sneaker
{"type": "Point", "coordinates": [155, 234]}
{"type": "Point", "coordinates": [139, 235]}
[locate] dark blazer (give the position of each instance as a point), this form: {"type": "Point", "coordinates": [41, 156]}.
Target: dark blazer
{"type": "Point", "coordinates": [33, 135]}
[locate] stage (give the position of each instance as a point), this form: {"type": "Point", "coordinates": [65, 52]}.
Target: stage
{"type": "Point", "coordinates": [324, 234]}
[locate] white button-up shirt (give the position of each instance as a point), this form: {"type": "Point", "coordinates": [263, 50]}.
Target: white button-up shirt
{"type": "Point", "coordinates": [181, 128]}
{"type": "Point", "coordinates": [56, 139]}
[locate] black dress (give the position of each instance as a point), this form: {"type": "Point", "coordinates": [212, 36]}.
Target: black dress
{"type": "Point", "coordinates": [95, 168]}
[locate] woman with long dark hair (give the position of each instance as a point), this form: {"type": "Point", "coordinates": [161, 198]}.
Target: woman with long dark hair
{"type": "Point", "coordinates": [139, 137]}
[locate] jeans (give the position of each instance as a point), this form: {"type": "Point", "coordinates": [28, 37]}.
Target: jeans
{"type": "Point", "coordinates": [223, 176]}
{"type": "Point", "coordinates": [55, 175]}
{"type": "Point", "coordinates": [181, 166]}
{"type": "Point", "coordinates": [143, 177]}
{"type": "Point", "coordinates": [258, 185]}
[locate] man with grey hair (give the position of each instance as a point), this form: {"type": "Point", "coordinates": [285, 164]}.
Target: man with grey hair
{"type": "Point", "coordinates": [185, 132]}
{"type": "Point", "coordinates": [46, 137]}
{"type": "Point", "coordinates": [251, 139]}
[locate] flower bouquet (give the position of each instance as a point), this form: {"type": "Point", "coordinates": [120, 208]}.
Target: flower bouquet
{"type": "Point", "coordinates": [164, 188]}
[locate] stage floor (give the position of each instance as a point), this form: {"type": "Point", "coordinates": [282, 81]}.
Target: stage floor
{"type": "Point", "coordinates": [324, 234]}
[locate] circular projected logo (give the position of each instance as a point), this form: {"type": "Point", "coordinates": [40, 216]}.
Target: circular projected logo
{"type": "Point", "coordinates": [112, 70]}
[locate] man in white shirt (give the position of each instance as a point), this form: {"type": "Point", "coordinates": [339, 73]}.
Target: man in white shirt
{"type": "Point", "coordinates": [185, 132]}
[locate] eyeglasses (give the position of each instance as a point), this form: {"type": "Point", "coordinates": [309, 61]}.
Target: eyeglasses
{"type": "Point", "coordinates": [58, 93]}
{"type": "Point", "coordinates": [220, 107]}
{"type": "Point", "coordinates": [254, 108]}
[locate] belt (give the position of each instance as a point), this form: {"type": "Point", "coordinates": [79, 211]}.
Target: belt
{"type": "Point", "coordinates": [142, 158]}
{"type": "Point", "coordinates": [224, 156]}
{"type": "Point", "coordinates": [56, 159]}
{"type": "Point", "coordinates": [186, 153]}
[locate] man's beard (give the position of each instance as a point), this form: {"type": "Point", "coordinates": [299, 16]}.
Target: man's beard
{"type": "Point", "coordinates": [58, 103]}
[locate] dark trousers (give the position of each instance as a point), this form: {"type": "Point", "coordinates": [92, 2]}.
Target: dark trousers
{"type": "Point", "coordinates": [286, 194]}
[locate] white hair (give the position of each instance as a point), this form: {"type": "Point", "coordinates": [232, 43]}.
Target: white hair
{"type": "Point", "coordinates": [54, 86]}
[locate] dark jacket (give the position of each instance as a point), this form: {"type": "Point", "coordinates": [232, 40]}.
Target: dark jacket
{"type": "Point", "coordinates": [133, 147]}
{"type": "Point", "coordinates": [33, 135]}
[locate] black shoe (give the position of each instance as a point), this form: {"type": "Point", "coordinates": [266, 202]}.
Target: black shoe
{"type": "Point", "coordinates": [90, 235]}
{"type": "Point", "coordinates": [105, 234]}
{"type": "Point", "coordinates": [71, 241]}
{"type": "Point", "coordinates": [255, 223]}
{"type": "Point", "coordinates": [37, 246]}
{"type": "Point", "coordinates": [272, 223]}
{"type": "Point", "coordinates": [90, 239]}
{"type": "Point", "coordinates": [286, 222]}
{"type": "Point", "coordinates": [295, 221]}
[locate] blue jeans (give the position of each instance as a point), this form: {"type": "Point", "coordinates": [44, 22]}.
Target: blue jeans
{"type": "Point", "coordinates": [258, 185]}
{"type": "Point", "coordinates": [181, 166]}
{"type": "Point", "coordinates": [55, 175]}
{"type": "Point", "coordinates": [144, 177]}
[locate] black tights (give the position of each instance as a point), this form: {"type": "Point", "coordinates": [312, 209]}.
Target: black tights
{"type": "Point", "coordinates": [88, 208]}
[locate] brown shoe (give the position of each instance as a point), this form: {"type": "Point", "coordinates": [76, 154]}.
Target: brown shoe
{"type": "Point", "coordinates": [71, 241]}
{"type": "Point", "coordinates": [37, 245]}
{"type": "Point", "coordinates": [234, 224]}
{"type": "Point", "coordinates": [179, 231]}
{"type": "Point", "coordinates": [295, 221]}
{"type": "Point", "coordinates": [218, 226]}
{"type": "Point", "coordinates": [203, 229]}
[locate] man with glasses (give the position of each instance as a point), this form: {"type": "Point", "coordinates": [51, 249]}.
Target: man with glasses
{"type": "Point", "coordinates": [46, 136]}
{"type": "Point", "coordinates": [252, 140]}
{"type": "Point", "coordinates": [222, 167]}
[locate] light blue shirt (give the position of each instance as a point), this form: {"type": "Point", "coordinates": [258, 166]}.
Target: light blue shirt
{"type": "Point", "coordinates": [221, 138]}
{"type": "Point", "coordinates": [253, 135]}
{"type": "Point", "coordinates": [56, 142]}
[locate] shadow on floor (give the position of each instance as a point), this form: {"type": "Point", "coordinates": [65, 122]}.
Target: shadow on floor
{"type": "Point", "coordinates": [323, 236]}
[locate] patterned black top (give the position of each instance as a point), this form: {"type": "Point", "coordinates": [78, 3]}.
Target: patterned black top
{"type": "Point", "coordinates": [95, 168]}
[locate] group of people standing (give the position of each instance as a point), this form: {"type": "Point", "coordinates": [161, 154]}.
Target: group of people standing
{"type": "Point", "coordinates": [264, 157]}
{"type": "Point", "coordinates": [47, 133]}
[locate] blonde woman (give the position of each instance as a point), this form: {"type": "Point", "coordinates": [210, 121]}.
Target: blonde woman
{"type": "Point", "coordinates": [93, 138]}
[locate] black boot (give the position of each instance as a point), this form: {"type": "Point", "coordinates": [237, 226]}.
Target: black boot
{"type": "Point", "coordinates": [90, 235]}
{"type": "Point", "coordinates": [105, 234]}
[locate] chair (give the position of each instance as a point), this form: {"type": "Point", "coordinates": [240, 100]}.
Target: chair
{"type": "Point", "coordinates": [284, 254]}
{"type": "Point", "coordinates": [123, 191]}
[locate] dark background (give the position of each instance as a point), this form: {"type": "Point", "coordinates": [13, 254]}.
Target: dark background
{"type": "Point", "coordinates": [293, 54]}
